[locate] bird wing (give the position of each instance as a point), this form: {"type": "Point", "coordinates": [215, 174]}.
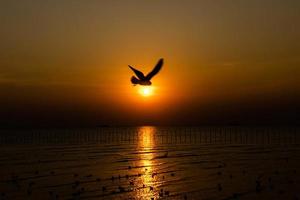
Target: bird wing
{"type": "Point", "coordinates": [156, 69]}
{"type": "Point", "coordinates": [139, 74]}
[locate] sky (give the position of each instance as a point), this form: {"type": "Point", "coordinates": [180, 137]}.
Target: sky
{"type": "Point", "coordinates": [65, 63]}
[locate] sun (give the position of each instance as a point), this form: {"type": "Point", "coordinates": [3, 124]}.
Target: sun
{"type": "Point", "coordinates": [146, 91]}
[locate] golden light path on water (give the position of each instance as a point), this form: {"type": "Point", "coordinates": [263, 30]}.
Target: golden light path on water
{"type": "Point", "coordinates": [146, 145]}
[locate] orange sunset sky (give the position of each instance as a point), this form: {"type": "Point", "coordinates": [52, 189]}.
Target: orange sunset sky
{"type": "Point", "coordinates": [65, 62]}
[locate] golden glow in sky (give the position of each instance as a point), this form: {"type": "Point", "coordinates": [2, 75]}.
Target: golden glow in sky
{"type": "Point", "coordinates": [77, 53]}
{"type": "Point", "coordinates": [146, 91]}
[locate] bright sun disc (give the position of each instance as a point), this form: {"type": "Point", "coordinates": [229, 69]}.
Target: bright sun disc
{"type": "Point", "coordinates": [145, 91]}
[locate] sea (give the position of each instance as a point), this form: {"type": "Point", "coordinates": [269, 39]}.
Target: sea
{"type": "Point", "coordinates": [151, 162]}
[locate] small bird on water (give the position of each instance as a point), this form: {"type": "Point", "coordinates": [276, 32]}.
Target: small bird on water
{"type": "Point", "coordinates": [141, 79]}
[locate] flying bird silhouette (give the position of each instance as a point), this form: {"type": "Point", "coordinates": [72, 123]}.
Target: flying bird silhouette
{"type": "Point", "coordinates": [141, 78]}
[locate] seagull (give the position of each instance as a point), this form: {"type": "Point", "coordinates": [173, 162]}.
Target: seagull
{"type": "Point", "coordinates": [141, 78]}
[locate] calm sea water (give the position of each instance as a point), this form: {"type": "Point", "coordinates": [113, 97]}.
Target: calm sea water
{"type": "Point", "coordinates": [151, 163]}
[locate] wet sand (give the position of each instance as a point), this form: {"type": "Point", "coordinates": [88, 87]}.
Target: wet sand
{"type": "Point", "coordinates": [151, 163]}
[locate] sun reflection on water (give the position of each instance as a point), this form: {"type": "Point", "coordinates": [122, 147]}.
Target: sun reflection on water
{"type": "Point", "coordinates": [146, 144]}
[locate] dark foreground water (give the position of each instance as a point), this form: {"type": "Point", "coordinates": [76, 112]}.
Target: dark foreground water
{"type": "Point", "coordinates": [151, 163]}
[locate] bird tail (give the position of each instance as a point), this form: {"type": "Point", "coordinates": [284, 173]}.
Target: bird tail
{"type": "Point", "coordinates": [134, 80]}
